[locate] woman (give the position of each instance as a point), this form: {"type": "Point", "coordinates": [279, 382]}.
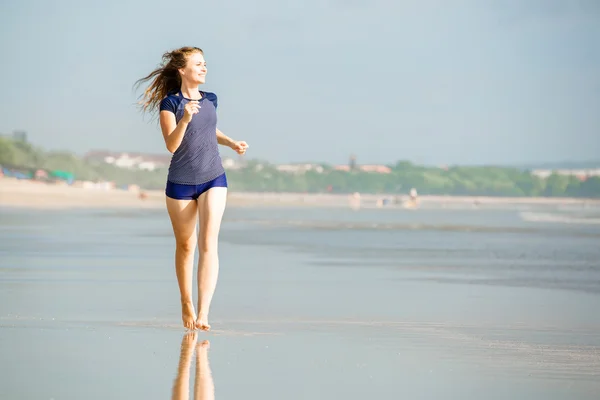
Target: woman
{"type": "Point", "coordinates": [196, 185]}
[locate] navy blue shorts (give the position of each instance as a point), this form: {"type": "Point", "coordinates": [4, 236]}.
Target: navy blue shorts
{"type": "Point", "coordinates": [180, 191]}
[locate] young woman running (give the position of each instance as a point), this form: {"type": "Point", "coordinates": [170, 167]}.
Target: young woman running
{"type": "Point", "coordinates": [196, 188]}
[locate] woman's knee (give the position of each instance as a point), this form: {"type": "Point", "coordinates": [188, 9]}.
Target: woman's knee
{"type": "Point", "coordinates": [207, 245]}
{"type": "Point", "coordinates": [186, 246]}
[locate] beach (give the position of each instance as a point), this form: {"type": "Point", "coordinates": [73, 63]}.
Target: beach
{"type": "Point", "coordinates": [32, 194]}
{"type": "Point", "coordinates": [315, 302]}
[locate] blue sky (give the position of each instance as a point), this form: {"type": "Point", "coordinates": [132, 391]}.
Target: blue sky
{"type": "Point", "coordinates": [431, 81]}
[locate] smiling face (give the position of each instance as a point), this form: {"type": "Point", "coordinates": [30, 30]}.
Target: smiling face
{"type": "Point", "coordinates": [195, 70]}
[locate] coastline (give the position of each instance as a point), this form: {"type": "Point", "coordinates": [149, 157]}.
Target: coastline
{"type": "Point", "coordinates": [38, 195]}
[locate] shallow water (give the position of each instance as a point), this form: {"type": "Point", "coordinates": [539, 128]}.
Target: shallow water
{"type": "Point", "coordinates": [311, 303]}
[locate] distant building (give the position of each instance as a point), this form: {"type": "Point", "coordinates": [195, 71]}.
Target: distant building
{"type": "Point", "coordinates": [380, 169]}
{"type": "Point", "coordinates": [581, 174]}
{"type": "Point", "coordinates": [148, 162]}
{"type": "Point", "coordinates": [352, 162]}
{"type": "Point", "coordinates": [299, 168]}
{"type": "Point", "coordinates": [20, 136]}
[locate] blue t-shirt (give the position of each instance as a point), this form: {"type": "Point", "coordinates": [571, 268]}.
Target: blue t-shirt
{"type": "Point", "coordinates": [197, 159]}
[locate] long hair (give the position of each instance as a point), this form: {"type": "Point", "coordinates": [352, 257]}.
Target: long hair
{"type": "Point", "coordinates": [165, 79]}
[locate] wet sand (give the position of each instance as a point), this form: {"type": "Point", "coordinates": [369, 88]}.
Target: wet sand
{"type": "Point", "coordinates": [89, 309]}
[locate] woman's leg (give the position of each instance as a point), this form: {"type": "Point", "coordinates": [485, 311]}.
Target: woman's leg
{"type": "Point", "coordinates": [183, 214]}
{"type": "Point", "coordinates": [211, 206]}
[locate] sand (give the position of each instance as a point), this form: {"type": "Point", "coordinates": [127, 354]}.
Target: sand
{"type": "Point", "coordinates": [31, 194]}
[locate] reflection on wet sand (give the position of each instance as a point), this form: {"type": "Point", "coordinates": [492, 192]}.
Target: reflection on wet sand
{"type": "Point", "coordinates": [204, 388]}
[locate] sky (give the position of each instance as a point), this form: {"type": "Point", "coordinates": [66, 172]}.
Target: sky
{"type": "Point", "coordinates": [429, 81]}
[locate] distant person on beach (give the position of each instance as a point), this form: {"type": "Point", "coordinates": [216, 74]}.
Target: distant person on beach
{"type": "Point", "coordinates": [196, 187]}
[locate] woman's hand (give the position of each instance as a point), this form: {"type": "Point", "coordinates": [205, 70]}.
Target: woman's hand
{"type": "Point", "coordinates": [239, 147]}
{"type": "Point", "coordinates": [191, 108]}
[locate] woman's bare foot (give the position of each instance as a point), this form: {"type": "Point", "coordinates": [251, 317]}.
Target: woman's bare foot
{"type": "Point", "coordinates": [205, 344]}
{"type": "Point", "coordinates": [188, 314]}
{"type": "Point", "coordinates": [202, 322]}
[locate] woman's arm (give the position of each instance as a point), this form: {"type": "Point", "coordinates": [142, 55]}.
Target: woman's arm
{"type": "Point", "coordinates": [239, 147]}
{"type": "Point", "coordinates": [172, 132]}
{"type": "Point", "coordinates": [223, 139]}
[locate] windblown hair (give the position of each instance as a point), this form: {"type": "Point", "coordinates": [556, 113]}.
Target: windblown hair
{"type": "Point", "coordinates": [165, 79]}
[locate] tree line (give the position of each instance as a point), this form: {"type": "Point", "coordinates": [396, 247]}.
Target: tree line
{"type": "Point", "coordinates": [262, 176]}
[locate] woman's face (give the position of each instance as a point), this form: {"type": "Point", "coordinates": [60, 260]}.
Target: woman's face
{"type": "Point", "coordinates": [195, 69]}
